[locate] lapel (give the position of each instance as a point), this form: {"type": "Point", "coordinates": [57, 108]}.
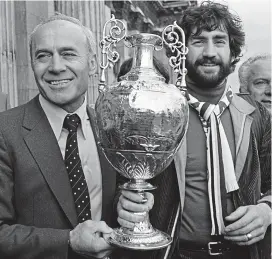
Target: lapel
{"type": "Point", "coordinates": [240, 111]}
{"type": "Point", "coordinates": [44, 148]}
{"type": "Point", "coordinates": [107, 171]}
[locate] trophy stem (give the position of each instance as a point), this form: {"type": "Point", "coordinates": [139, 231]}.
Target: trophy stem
{"type": "Point", "coordinates": [142, 236]}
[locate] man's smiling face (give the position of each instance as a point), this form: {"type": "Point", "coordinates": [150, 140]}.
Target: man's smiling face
{"type": "Point", "coordinates": [60, 61]}
{"type": "Point", "coordinates": [208, 59]}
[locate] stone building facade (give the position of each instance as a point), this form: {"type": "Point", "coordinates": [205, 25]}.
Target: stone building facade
{"type": "Point", "coordinates": [19, 18]}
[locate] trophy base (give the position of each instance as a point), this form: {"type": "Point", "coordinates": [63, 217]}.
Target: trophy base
{"type": "Point", "coordinates": [150, 241]}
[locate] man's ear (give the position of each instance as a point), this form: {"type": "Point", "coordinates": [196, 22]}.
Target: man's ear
{"type": "Point", "coordinates": [92, 64]}
{"type": "Point", "coordinates": [233, 62]}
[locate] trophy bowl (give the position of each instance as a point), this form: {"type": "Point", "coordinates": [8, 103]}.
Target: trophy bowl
{"type": "Point", "coordinates": [141, 122]}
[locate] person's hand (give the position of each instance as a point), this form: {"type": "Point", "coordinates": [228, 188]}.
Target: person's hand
{"type": "Point", "coordinates": [131, 202]}
{"type": "Point", "coordinates": [248, 224]}
{"type": "Point", "coordinates": [88, 239]}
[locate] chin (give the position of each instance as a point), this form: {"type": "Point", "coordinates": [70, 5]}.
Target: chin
{"type": "Point", "coordinates": [58, 99]}
{"type": "Point", "coordinates": [208, 82]}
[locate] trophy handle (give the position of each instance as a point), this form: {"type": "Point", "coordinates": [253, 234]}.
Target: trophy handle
{"type": "Point", "coordinates": [173, 37]}
{"type": "Point", "coordinates": [110, 56]}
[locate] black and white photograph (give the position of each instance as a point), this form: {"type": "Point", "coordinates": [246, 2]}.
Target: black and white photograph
{"type": "Point", "coordinates": [135, 129]}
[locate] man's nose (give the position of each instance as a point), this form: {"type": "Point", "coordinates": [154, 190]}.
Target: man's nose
{"type": "Point", "coordinates": [56, 65]}
{"type": "Point", "coordinates": [209, 50]}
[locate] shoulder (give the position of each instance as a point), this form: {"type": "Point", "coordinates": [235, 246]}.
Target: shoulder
{"type": "Point", "coordinates": [261, 116]}
{"type": "Point", "coordinates": [260, 109]}
{"type": "Point", "coordinates": [12, 118]}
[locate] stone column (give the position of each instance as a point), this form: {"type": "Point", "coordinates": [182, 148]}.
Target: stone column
{"type": "Point", "coordinates": [28, 14]}
{"type": "Point", "coordinates": [8, 75]}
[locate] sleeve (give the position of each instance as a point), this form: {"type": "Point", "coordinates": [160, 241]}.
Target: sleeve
{"type": "Point", "coordinates": [20, 241]}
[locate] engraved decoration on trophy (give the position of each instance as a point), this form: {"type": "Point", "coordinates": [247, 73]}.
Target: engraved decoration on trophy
{"type": "Point", "coordinates": [141, 122]}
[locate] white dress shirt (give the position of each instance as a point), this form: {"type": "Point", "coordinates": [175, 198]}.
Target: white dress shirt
{"type": "Point", "coordinates": [87, 149]}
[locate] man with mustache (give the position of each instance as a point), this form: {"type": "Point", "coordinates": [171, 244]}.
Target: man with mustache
{"type": "Point", "coordinates": [56, 187]}
{"type": "Point", "coordinates": [219, 185]}
{"type": "Point", "coordinates": [255, 78]}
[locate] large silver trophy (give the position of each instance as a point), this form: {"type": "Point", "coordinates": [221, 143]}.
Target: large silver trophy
{"type": "Point", "coordinates": [141, 121]}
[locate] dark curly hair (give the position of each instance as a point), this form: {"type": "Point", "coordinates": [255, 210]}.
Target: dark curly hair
{"type": "Point", "coordinates": [210, 16]}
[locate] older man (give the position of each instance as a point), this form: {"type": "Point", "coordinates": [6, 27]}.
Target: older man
{"type": "Point", "coordinates": [55, 184]}
{"type": "Point", "coordinates": [255, 78]}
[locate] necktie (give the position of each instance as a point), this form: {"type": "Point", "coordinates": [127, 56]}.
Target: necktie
{"type": "Point", "coordinates": [221, 173]}
{"type": "Point", "coordinates": [75, 171]}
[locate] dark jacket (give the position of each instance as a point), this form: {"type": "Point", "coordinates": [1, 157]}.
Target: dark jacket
{"type": "Point", "coordinates": [37, 209]}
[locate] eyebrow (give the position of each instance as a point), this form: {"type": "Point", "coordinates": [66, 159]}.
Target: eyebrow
{"type": "Point", "coordinates": [221, 37]}
{"type": "Point", "coordinates": [66, 48]}
{"type": "Point", "coordinates": [200, 37]}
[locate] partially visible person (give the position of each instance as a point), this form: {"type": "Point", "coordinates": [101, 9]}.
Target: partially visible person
{"type": "Point", "coordinates": [255, 78]}
{"type": "Point", "coordinates": [4, 104]}
{"type": "Point", "coordinates": [56, 186]}
{"type": "Point", "coordinates": [127, 65]}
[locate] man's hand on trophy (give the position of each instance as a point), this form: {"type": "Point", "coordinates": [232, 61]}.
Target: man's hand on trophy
{"type": "Point", "coordinates": [131, 202]}
{"type": "Point", "coordinates": [88, 239]}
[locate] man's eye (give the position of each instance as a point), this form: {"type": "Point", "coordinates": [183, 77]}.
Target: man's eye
{"type": "Point", "coordinates": [260, 82]}
{"type": "Point", "coordinates": [43, 56]}
{"type": "Point", "coordinates": [68, 54]}
{"type": "Point", "coordinates": [220, 42]}
{"type": "Point", "coordinates": [197, 42]}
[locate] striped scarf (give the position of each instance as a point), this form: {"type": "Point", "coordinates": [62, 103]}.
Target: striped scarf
{"type": "Point", "coordinates": [221, 173]}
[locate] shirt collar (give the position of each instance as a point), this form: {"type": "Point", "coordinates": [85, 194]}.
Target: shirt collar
{"type": "Point", "coordinates": [56, 116]}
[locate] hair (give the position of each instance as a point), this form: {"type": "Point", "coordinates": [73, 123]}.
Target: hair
{"type": "Point", "coordinates": [244, 70]}
{"type": "Point", "coordinates": [210, 16]}
{"type": "Point", "coordinates": [62, 17]}
{"type": "Point", "coordinates": [127, 65]}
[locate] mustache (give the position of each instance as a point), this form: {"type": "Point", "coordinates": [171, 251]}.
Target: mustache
{"type": "Point", "coordinates": [212, 61]}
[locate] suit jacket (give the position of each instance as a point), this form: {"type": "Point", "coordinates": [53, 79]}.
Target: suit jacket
{"type": "Point", "coordinates": [3, 102]}
{"type": "Point", "coordinates": [252, 132]}
{"type": "Point", "coordinates": [36, 203]}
